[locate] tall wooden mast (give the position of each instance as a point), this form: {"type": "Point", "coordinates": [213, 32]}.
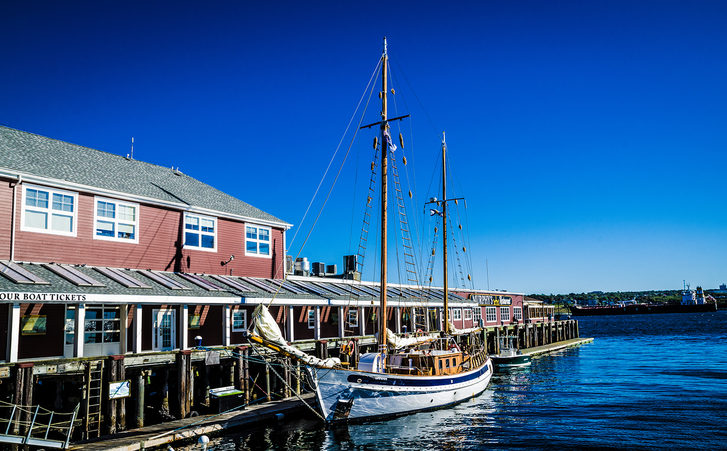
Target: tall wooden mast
{"type": "Point", "coordinates": [444, 233]}
{"type": "Point", "coordinates": [384, 200]}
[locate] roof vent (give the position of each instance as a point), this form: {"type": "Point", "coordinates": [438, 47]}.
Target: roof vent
{"type": "Point", "coordinates": [176, 170]}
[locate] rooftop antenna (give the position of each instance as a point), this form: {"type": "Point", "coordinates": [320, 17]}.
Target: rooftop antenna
{"type": "Point", "coordinates": [132, 147]}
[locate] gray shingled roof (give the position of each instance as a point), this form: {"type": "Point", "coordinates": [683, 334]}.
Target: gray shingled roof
{"type": "Point", "coordinates": [46, 157]}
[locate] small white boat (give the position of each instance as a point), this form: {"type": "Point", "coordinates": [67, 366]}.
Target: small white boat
{"type": "Point", "coordinates": [509, 356]}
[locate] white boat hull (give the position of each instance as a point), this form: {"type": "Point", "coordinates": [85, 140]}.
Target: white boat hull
{"type": "Point", "coordinates": [346, 395]}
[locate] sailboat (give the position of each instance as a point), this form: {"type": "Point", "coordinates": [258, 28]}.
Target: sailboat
{"type": "Point", "coordinates": [403, 378]}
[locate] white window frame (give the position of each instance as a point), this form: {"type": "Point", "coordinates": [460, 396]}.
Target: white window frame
{"type": "Point", "coordinates": [49, 211]}
{"type": "Point", "coordinates": [517, 313]}
{"type": "Point", "coordinates": [491, 314]}
{"type": "Point", "coordinates": [353, 313]}
{"type": "Point", "coordinates": [505, 309]}
{"type": "Point", "coordinates": [199, 232]}
{"type": "Point", "coordinates": [257, 241]}
{"type": "Point", "coordinates": [456, 314]}
{"type": "Point", "coordinates": [244, 320]}
{"type": "Point", "coordinates": [467, 314]}
{"type": "Point", "coordinates": [312, 318]}
{"type": "Point", "coordinates": [116, 221]}
{"type": "Point", "coordinates": [477, 314]}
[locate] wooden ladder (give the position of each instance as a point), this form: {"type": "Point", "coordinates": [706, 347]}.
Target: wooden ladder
{"type": "Point", "coordinates": [94, 392]}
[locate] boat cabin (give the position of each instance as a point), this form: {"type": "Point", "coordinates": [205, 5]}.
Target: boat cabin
{"type": "Point", "coordinates": [425, 363]}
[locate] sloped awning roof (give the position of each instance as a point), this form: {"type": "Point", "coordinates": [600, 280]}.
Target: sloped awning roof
{"type": "Point", "coordinates": [56, 283]}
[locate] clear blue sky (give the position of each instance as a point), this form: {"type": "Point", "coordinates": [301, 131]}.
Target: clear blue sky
{"type": "Point", "coordinates": [588, 137]}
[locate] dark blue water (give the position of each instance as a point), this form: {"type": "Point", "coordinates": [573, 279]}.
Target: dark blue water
{"type": "Point", "coordinates": [647, 381]}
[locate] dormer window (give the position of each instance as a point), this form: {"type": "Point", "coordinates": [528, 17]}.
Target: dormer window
{"type": "Point", "coordinates": [116, 220]}
{"type": "Point", "coordinates": [49, 210]}
{"type": "Point", "coordinates": [200, 232]}
{"type": "Point", "coordinates": [257, 240]}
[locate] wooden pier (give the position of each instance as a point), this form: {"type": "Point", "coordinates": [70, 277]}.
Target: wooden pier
{"type": "Point", "coordinates": [533, 339]}
{"type": "Point", "coordinates": [170, 389]}
{"type": "Point", "coordinates": [189, 429]}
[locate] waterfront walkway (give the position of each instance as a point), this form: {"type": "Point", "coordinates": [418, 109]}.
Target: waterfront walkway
{"type": "Point", "coordinates": [557, 346]}
{"type": "Point", "coordinates": [188, 429]}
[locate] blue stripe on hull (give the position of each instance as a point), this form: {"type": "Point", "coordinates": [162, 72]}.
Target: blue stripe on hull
{"type": "Point", "coordinates": [419, 381]}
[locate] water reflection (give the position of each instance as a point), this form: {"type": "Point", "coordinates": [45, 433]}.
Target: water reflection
{"type": "Point", "coordinates": [647, 381]}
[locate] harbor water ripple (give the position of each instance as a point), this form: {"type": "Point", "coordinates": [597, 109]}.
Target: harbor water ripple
{"type": "Point", "coordinates": [647, 381]}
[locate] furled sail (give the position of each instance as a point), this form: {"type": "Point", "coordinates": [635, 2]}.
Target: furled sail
{"type": "Point", "coordinates": [402, 342]}
{"type": "Point", "coordinates": [264, 325]}
{"type": "Point", "coordinates": [454, 331]}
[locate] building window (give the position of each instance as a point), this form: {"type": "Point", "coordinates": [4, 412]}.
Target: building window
{"type": "Point", "coordinates": [116, 220]}
{"type": "Point", "coordinates": [200, 232]}
{"type": "Point", "coordinates": [456, 314]}
{"type": "Point", "coordinates": [518, 313]}
{"type": "Point", "coordinates": [467, 314]}
{"type": "Point", "coordinates": [504, 313]}
{"type": "Point", "coordinates": [257, 241]}
{"type": "Point", "coordinates": [70, 325]}
{"type": "Point", "coordinates": [491, 314]}
{"type": "Point", "coordinates": [49, 210]}
{"type": "Point", "coordinates": [239, 320]}
{"type": "Point", "coordinates": [102, 324]}
{"type": "Point", "coordinates": [353, 317]}
{"type": "Point", "coordinates": [477, 314]}
{"type": "Point", "coordinates": [311, 318]}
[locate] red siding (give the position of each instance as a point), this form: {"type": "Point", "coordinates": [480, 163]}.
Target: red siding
{"type": "Point", "coordinates": [51, 343]}
{"type": "Point", "coordinates": [158, 247]}
{"type": "Point", "coordinates": [6, 203]}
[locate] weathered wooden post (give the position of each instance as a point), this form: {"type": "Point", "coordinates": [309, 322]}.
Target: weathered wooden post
{"type": "Point", "coordinates": [184, 381]}
{"type": "Point", "coordinates": [121, 403]}
{"type": "Point", "coordinates": [287, 377]}
{"type": "Point", "coordinates": [322, 349]}
{"type": "Point", "coordinates": [297, 377]}
{"type": "Point", "coordinates": [140, 384]}
{"type": "Point", "coordinates": [242, 372]}
{"type": "Point", "coordinates": [114, 407]}
{"type": "Point", "coordinates": [267, 382]}
{"type": "Point", "coordinates": [356, 353]}
{"type": "Point", "coordinates": [23, 395]}
{"type": "Point", "coordinates": [578, 331]}
{"type": "Point", "coordinates": [164, 408]}
{"type": "Point", "coordinates": [495, 343]}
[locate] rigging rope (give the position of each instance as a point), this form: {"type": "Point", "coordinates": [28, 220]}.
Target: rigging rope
{"type": "Point", "coordinates": [373, 75]}
{"type": "Point", "coordinates": [328, 196]}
